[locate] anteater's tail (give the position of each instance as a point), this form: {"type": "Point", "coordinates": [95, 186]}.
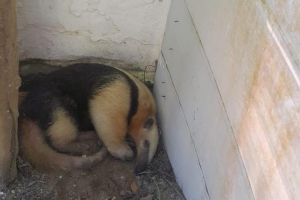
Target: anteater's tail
{"type": "Point", "coordinates": [35, 150]}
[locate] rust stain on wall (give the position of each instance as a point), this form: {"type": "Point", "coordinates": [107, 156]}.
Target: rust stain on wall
{"type": "Point", "coordinates": [263, 101]}
{"type": "Point", "coordinates": [271, 140]}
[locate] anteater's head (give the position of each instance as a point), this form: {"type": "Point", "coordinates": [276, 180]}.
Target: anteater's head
{"type": "Point", "coordinates": [143, 130]}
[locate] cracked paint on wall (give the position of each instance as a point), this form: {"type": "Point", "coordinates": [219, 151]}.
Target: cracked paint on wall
{"type": "Point", "coordinates": [129, 31]}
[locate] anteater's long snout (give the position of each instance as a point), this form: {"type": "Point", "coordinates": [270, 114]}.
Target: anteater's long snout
{"type": "Point", "coordinates": [142, 157]}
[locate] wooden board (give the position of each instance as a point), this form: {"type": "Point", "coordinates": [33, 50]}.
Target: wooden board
{"type": "Point", "coordinates": [9, 85]}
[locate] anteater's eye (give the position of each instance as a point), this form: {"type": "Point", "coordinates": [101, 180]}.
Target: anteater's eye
{"type": "Point", "coordinates": [148, 123]}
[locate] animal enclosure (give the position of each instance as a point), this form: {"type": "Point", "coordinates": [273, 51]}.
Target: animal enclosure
{"type": "Point", "coordinates": [226, 83]}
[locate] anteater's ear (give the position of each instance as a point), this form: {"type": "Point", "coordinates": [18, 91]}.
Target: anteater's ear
{"type": "Point", "coordinates": [149, 123]}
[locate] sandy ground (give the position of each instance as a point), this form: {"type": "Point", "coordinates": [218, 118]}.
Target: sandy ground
{"type": "Point", "coordinates": [110, 180]}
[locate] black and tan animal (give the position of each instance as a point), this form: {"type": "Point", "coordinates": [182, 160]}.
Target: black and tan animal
{"type": "Point", "coordinates": [84, 97]}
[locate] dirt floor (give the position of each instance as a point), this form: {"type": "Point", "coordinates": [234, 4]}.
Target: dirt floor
{"type": "Point", "coordinates": [110, 180]}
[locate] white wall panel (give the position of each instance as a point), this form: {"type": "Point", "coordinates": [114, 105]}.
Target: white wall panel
{"type": "Point", "coordinates": [234, 67]}
{"type": "Point", "coordinates": [203, 109]}
{"type": "Point", "coordinates": [177, 137]}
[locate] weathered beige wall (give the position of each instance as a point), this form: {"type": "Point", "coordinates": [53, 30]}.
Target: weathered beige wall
{"type": "Point", "coordinates": [9, 84]}
{"type": "Point", "coordinates": [253, 53]}
{"type": "Point", "coordinates": [233, 71]}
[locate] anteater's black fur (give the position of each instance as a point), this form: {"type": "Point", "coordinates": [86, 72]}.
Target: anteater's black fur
{"type": "Point", "coordinates": [71, 88]}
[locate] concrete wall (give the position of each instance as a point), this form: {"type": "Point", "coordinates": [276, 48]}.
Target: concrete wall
{"type": "Point", "coordinates": [227, 88]}
{"type": "Point", "coordinates": [128, 31]}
